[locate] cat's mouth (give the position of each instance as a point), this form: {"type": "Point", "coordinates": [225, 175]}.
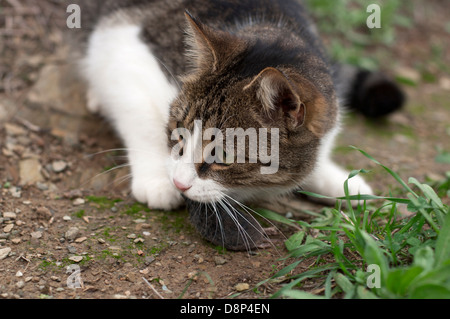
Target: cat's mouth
{"type": "Point", "coordinates": [204, 197]}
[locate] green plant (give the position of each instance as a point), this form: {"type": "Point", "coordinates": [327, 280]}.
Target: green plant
{"type": "Point", "coordinates": [377, 252]}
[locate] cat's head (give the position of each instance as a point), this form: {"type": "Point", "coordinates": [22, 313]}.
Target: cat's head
{"type": "Point", "coordinates": [246, 86]}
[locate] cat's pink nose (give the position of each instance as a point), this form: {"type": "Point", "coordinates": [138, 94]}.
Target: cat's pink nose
{"type": "Point", "coordinates": [182, 187]}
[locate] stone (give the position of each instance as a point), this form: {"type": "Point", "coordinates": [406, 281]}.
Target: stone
{"type": "Point", "coordinates": [80, 240]}
{"type": "Point", "coordinates": [36, 235]}
{"type": "Point", "coordinates": [242, 287]}
{"type": "Point", "coordinates": [30, 171]}
{"type": "Point", "coordinates": [4, 252]}
{"type": "Point", "coordinates": [8, 228]}
{"type": "Point", "coordinates": [59, 166]}
{"type": "Point", "coordinates": [43, 213]}
{"type": "Point", "coordinates": [9, 215]}
{"type": "Point", "coordinates": [76, 259]}
{"type": "Point", "coordinates": [14, 130]}
{"type": "Point", "coordinates": [219, 260]}
{"type": "Point", "coordinates": [78, 202]}
{"type": "Point", "coordinates": [72, 233]}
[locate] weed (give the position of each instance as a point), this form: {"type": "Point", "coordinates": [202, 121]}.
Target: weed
{"type": "Point", "coordinates": [377, 252]}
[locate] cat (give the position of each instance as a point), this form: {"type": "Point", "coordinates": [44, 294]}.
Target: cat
{"type": "Point", "coordinates": [155, 67]}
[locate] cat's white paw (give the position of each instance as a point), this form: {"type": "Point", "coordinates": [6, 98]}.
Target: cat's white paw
{"type": "Point", "coordinates": [157, 193]}
{"type": "Point", "coordinates": [329, 181]}
{"type": "Point", "coordinates": [357, 185]}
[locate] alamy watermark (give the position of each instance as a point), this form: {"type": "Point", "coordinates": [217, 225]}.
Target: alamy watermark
{"type": "Point", "coordinates": [260, 148]}
{"type": "Point", "coordinates": [74, 18]}
{"type": "Point", "coordinates": [74, 280]}
{"type": "Point", "coordinates": [374, 279]}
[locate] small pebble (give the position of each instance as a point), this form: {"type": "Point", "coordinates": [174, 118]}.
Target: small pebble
{"type": "Point", "coordinates": [80, 240]}
{"type": "Point", "coordinates": [219, 260]}
{"type": "Point", "coordinates": [72, 233]}
{"type": "Point", "coordinates": [78, 202]}
{"type": "Point", "coordinates": [9, 215]}
{"type": "Point", "coordinates": [59, 166]}
{"type": "Point", "coordinates": [8, 228]}
{"type": "Point", "coordinates": [76, 259]}
{"type": "Point", "coordinates": [242, 287]}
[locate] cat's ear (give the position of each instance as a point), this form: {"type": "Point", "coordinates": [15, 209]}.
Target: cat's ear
{"type": "Point", "coordinates": [292, 97]}
{"type": "Point", "coordinates": [210, 48]}
{"type": "Point", "coordinates": [278, 94]}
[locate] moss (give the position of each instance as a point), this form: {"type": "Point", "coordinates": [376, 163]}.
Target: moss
{"type": "Point", "coordinates": [103, 202]}
{"type": "Point", "coordinates": [79, 214]}
{"type": "Point", "coordinates": [135, 209]}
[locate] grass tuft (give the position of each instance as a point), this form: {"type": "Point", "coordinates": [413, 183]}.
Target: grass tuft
{"type": "Point", "coordinates": [376, 251]}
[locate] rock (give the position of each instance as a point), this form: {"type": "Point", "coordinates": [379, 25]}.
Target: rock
{"type": "Point", "coordinates": [59, 166]}
{"type": "Point", "coordinates": [219, 260]}
{"type": "Point", "coordinates": [80, 240]}
{"type": "Point", "coordinates": [14, 130]}
{"type": "Point", "coordinates": [72, 233]}
{"type": "Point", "coordinates": [71, 249]}
{"type": "Point", "coordinates": [8, 228]}
{"type": "Point", "coordinates": [36, 235]}
{"type": "Point", "coordinates": [444, 83]}
{"type": "Point", "coordinates": [43, 213]}
{"type": "Point", "coordinates": [20, 284]}
{"type": "Point", "coordinates": [199, 258]}
{"type": "Point", "coordinates": [115, 248]}
{"type": "Point", "coordinates": [148, 260]}
{"type": "Point", "coordinates": [42, 186]}
{"type": "Point", "coordinates": [9, 215]}
{"type": "Point", "coordinates": [30, 171]}
{"type": "Point", "coordinates": [67, 218]}
{"type": "Point", "coordinates": [242, 287]}
{"type": "Point", "coordinates": [76, 259]}
{"type": "Point", "coordinates": [131, 236]}
{"type": "Point", "coordinates": [15, 192]}
{"type": "Point", "coordinates": [78, 202]}
{"type": "Point", "coordinates": [4, 252]}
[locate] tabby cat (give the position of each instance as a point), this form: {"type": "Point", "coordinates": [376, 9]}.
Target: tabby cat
{"type": "Point", "coordinates": [155, 67]}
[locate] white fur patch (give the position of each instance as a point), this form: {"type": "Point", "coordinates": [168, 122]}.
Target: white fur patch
{"type": "Point", "coordinates": [127, 86]}
{"type": "Point", "coordinates": [328, 178]}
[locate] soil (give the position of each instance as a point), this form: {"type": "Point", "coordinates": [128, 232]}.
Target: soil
{"type": "Point", "coordinates": [64, 195]}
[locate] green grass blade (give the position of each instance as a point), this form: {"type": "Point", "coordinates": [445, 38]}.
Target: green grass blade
{"type": "Point", "coordinates": [276, 217]}
{"type": "Point", "coordinates": [442, 252]}
{"type": "Point", "coordinates": [391, 172]}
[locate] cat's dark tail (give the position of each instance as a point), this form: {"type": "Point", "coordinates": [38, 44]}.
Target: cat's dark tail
{"type": "Point", "coordinates": [371, 93]}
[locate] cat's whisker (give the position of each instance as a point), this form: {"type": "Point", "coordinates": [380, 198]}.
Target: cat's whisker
{"type": "Point", "coordinates": [105, 172]}
{"type": "Point", "coordinates": [261, 231]}
{"type": "Point", "coordinates": [117, 150]}
{"type": "Point", "coordinates": [219, 220]}
{"type": "Point", "coordinates": [241, 231]}
{"type": "Point", "coordinates": [246, 208]}
{"type": "Point", "coordinates": [170, 72]}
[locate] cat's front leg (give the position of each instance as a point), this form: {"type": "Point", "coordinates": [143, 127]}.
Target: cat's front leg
{"type": "Point", "coordinates": [150, 182]}
{"type": "Point", "coordinates": [328, 179]}
{"type": "Point", "coordinates": [127, 86]}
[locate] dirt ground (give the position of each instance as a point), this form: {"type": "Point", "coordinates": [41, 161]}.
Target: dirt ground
{"type": "Point", "coordinates": [64, 197]}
